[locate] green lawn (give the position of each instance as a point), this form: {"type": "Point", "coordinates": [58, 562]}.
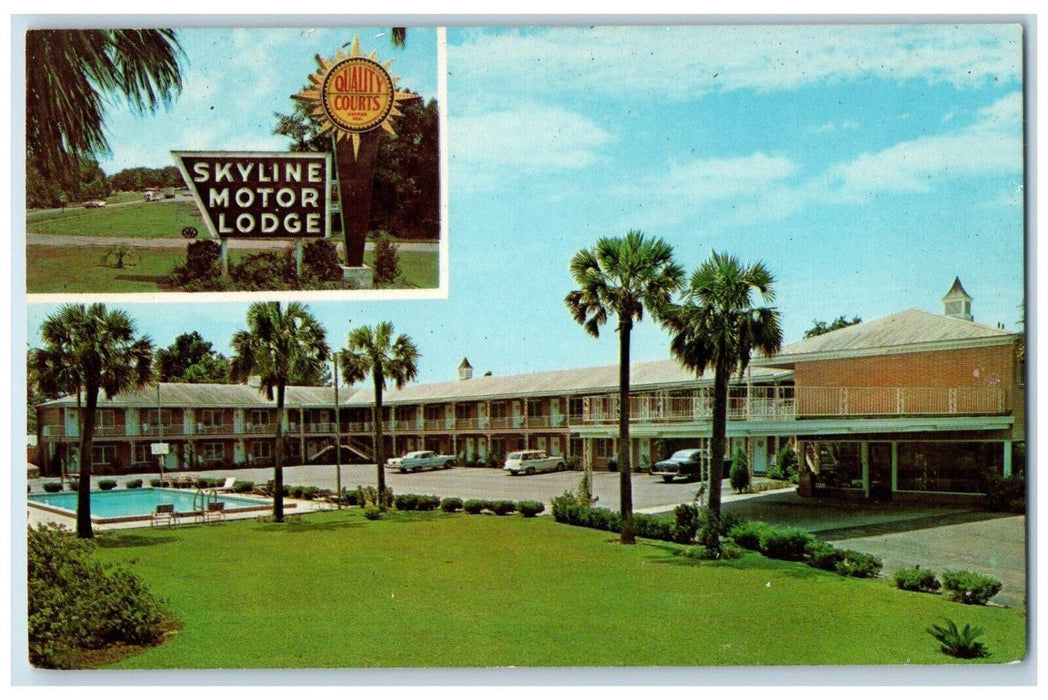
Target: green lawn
{"type": "Point", "coordinates": [59, 269]}
{"type": "Point", "coordinates": [432, 590]}
{"type": "Point", "coordinates": [144, 220]}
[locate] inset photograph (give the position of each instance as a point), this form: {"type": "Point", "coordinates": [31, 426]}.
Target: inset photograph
{"type": "Point", "coordinates": [232, 160]}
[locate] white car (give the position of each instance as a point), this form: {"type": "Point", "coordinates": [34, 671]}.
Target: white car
{"type": "Point", "coordinates": [532, 461]}
{"type": "Point", "coordinates": [94, 204]}
{"type": "Point", "coordinates": [420, 460]}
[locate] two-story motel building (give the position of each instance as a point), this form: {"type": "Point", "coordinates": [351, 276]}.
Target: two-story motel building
{"type": "Point", "coordinates": [911, 405]}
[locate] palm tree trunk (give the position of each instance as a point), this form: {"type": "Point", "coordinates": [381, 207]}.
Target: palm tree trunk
{"type": "Point", "coordinates": [625, 483]}
{"type": "Point", "coordinates": [83, 491]}
{"type": "Point", "coordinates": [278, 459]}
{"type": "Point", "coordinates": [380, 457]}
{"type": "Point", "coordinates": [717, 445]}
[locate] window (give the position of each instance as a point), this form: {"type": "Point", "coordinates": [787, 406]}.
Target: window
{"type": "Point", "coordinates": [143, 453]}
{"type": "Point", "coordinates": [105, 419]}
{"type": "Point", "coordinates": [839, 465]}
{"type": "Point", "coordinates": [603, 447]}
{"type": "Point", "coordinates": [261, 449]}
{"type": "Point", "coordinates": [211, 451]}
{"type": "Point", "coordinates": [153, 418]}
{"type": "Point", "coordinates": [210, 417]}
{"type": "Point", "coordinates": [951, 467]}
{"type": "Point", "coordinates": [103, 454]}
{"type": "Point", "coordinates": [259, 416]}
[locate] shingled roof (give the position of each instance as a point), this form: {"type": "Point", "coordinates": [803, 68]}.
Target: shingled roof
{"type": "Point", "coordinates": [912, 330]}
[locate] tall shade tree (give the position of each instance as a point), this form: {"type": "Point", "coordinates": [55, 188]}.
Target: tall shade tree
{"type": "Point", "coordinates": [279, 344]}
{"type": "Point", "coordinates": [717, 324]}
{"type": "Point", "coordinates": [622, 277]}
{"type": "Point", "coordinates": [89, 349]}
{"type": "Point", "coordinates": [72, 74]}
{"type": "Point", "coordinates": [374, 351]}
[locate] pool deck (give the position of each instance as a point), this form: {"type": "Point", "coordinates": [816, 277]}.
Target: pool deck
{"type": "Point", "coordinates": [292, 507]}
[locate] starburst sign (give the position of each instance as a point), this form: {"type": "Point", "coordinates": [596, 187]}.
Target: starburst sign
{"type": "Point", "coordinates": [353, 94]}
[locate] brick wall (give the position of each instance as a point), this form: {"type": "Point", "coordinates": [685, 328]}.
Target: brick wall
{"type": "Point", "coordinates": [970, 367]}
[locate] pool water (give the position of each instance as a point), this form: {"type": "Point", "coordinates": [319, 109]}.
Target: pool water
{"type": "Point", "coordinates": [130, 503]}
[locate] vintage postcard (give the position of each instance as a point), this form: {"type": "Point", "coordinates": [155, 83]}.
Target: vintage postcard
{"type": "Point", "coordinates": [724, 363]}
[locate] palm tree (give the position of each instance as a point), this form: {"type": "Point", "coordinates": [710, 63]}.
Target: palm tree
{"type": "Point", "coordinates": [717, 324]}
{"type": "Point", "coordinates": [70, 76]}
{"type": "Point", "coordinates": [89, 349]}
{"type": "Point", "coordinates": [622, 277]}
{"type": "Point", "coordinates": [278, 345]}
{"type": "Point", "coordinates": [374, 351]}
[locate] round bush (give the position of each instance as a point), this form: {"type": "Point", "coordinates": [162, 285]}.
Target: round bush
{"type": "Point", "coordinates": [405, 501]}
{"type": "Point", "coordinates": [529, 509]}
{"type": "Point", "coordinates": [372, 513]}
{"type": "Point", "coordinates": [451, 505]}
{"type": "Point", "coordinates": [915, 579]}
{"type": "Point", "coordinates": [747, 534]}
{"type": "Point", "coordinates": [107, 484]}
{"type": "Point", "coordinates": [969, 587]}
{"type": "Point", "coordinates": [133, 484]}
{"type": "Point", "coordinates": [474, 506]}
{"type": "Point", "coordinates": [504, 507]}
{"type": "Point", "coordinates": [786, 543]}
{"type": "Point", "coordinates": [52, 486]}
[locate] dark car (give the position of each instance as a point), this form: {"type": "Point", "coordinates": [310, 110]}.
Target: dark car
{"type": "Point", "coordinates": [686, 464]}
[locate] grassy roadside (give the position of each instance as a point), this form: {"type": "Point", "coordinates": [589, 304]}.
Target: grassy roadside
{"type": "Point", "coordinates": [144, 220]}
{"type": "Point", "coordinates": [58, 269]}
{"type": "Point", "coordinates": [431, 590]}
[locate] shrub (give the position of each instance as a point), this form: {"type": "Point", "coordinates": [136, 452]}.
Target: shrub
{"type": "Point", "coordinates": [133, 484]}
{"type": "Point", "coordinates": [451, 505]}
{"type": "Point", "coordinates": [969, 587]}
{"type": "Point", "coordinates": [243, 486]}
{"type": "Point", "coordinates": [76, 603]}
{"type": "Point", "coordinates": [156, 483]}
{"type": "Point", "coordinates": [529, 509]}
{"type": "Point", "coordinates": [727, 550]}
{"type": "Point", "coordinates": [858, 564]}
{"type": "Point", "coordinates": [405, 501]}
{"type": "Point", "coordinates": [503, 507]}
{"type": "Point", "coordinates": [427, 503]}
{"type": "Point", "coordinates": [372, 512]}
{"type": "Point", "coordinates": [387, 259]}
{"type": "Point", "coordinates": [916, 579]}
{"type": "Point", "coordinates": [785, 466]}
{"type": "Point", "coordinates": [201, 269]}
{"type": "Point", "coordinates": [961, 643]}
{"type": "Point", "coordinates": [784, 543]}
{"type": "Point", "coordinates": [563, 507]}
{"type": "Point", "coordinates": [52, 486]}
{"type": "Point", "coordinates": [72, 485]}
{"type": "Point", "coordinates": [474, 506]}
{"type": "Point", "coordinates": [1006, 494]}
{"type": "Point", "coordinates": [823, 555]}
{"type": "Point", "coordinates": [613, 465]}
{"type": "Point", "coordinates": [368, 495]}
{"type": "Point", "coordinates": [739, 474]}
{"type": "Point", "coordinates": [320, 260]}
{"type": "Point", "coordinates": [267, 270]}
{"type": "Point", "coordinates": [747, 534]}
{"type": "Point", "coordinates": [686, 522]}
{"type": "Point", "coordinates": [107, 484]}
{"type": "Point", "coordinates": [652, 527]}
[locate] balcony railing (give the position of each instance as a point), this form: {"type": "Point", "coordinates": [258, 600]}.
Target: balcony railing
{"type": "Point", "coordinates": [260, 428]}
{"type": "Point", "coordinates": [787, 403]}
{"type": "Point", "coordinates": [221, 429]}
{"type": "Point", "coordinates": [319, 427]}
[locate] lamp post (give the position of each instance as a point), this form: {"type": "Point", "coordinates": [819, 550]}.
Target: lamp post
{"type": "Point", "coordinates": [338, 437]}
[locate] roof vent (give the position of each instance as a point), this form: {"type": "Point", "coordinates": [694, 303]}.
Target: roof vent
{"type": "Point", "coordinates": [465, 370]}
{"type": "Point", "coordinates": [957, 303]}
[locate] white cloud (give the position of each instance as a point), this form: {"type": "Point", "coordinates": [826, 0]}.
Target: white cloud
{"type": "Point", "coordinates": [688, 61]}
{"type": "Point", "coordinates": [989, 146]}
{"type": "Point", "coordinates": [526, 141]}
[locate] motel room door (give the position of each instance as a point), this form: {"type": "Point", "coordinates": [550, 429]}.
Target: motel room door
{"type": "Point", "coordinates": [880, 455]}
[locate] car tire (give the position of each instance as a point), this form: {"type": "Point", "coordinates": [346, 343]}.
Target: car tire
{"type": "Point", "coordinates": [667, 478]}
{"type": "Point", "coordinates": [560, 466]}
{"type": "Point", "coordinates": [529, 471]}
{"type": "Point", "coordinates": [448, 465]}
{"type": "Point", "coordinates": [403, 471]}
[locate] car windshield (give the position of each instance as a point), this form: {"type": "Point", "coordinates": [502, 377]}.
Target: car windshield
{"type": "Point", "coordinates": [685, 454]}
{"type": "Point", "coordinates": [516, 455]}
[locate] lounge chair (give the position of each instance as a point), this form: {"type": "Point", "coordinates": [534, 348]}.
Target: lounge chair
{"type": "Point", "coordinates": [227, 486]}
{"type": "Point", "coordinates": [165, 513]}
{"type": "Point", "coordinates": [216, 511]}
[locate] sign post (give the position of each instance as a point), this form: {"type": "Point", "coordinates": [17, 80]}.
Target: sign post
{"type": "Point", "coordinates": [354, 96]}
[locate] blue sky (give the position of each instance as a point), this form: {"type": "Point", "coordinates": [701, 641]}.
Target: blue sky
{"type": "Point", "coordinates": [866, 165]}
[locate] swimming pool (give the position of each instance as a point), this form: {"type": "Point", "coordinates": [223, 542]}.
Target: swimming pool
{"type": "Point", "coordinates": [138, 504]}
